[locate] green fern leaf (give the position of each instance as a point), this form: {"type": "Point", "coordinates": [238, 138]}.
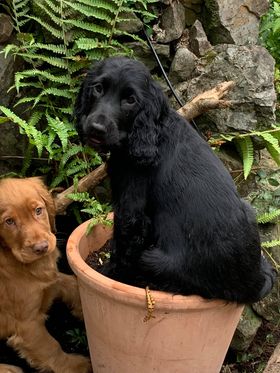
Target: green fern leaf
{"type": "Point", "coordinates": [27, 159]}
{"type": "Point", "coordinates": [73, 150]}
{"type": "Point", "coordinates": [58, 49]}
{"type": "Point", "coordinates": [14, 118]}
{"type": "Point", "coordinates": [51, 4]}
{"type": "Point", "coordinates": [21, 4]}
{"type": "Point", "coordinates": [54, 61]}
{"type": "Point", "coordinates": [106, 5]}
{"type": "Point", "coordinates": [25, 100]}
{"type": "Point", "coordinates": [270, 244]}
{"type": "Point", "coordinates": [57, 32]}
{"type": "Point", "coordinates": [268, 137]}
{"type": "Point", "coordinates": [57, 20]}
{"type": "Point", "coordinates": [246, 150]}
{"type": "Point", "coordinates": [45, 75]}
{"type": "Point", "coordinates": [35, 118]}
{"type": "Point", "coordinates": [89, 27]}
{"type": "Point", "coordinates": [89, 11]}
{"type": "Point", "coordinates": [268, 216]}
{"type": "Point", "coordinates": [61, 129]}
{"type": "Point", "coordinates": [73, 170]}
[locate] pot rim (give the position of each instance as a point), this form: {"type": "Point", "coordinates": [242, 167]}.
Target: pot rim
{"type": "Point", "coordinates": [128, 293]}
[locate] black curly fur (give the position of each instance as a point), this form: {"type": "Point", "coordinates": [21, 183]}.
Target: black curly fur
{"type": "Point", "coordinates": [179, 224]}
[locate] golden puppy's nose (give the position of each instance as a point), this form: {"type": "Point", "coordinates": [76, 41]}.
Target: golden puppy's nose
{"type": "Point", "coordinates": [40, 247]}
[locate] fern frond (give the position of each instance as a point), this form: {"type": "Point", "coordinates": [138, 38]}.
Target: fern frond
{"type": "Point", "coordinates": [55, 48]}
{"type": "Point", "coordinates": [25, 100]}
{"type": "Point", "coordinates": [90, 11]}
{"type": "Point", "coordinates": [54, 61]}
{"type": "Point", "coordinates": [27, 159]}
{"type": "Point", "coordinates": [273, 152]}
{"type": "Point", "coordinates": [132, 36]}
{"type": "Point", "coordinates": [35, 118]}
{"type": "Point", "coordinates": [107, 5]}
{"type": "Point", "coordinates": [53, 15]}
{"type": "Point", "coordinates": [21, 4]}
{"type": "Point", "coordinates": [79, 196]}
{"type": "Point", "coordinates": [14, 118]}
{"type": "Point", "coordinates": [272, 140]}
{"type": "Point", "coordinates": [89, 26]}
{"type": "Point", "coordinates": [272, 145]}
{"type": "Point", "coordinates": [57, 32]}
{"type": "Point", "coordinates": [268, 216]}
{"type": "Point", "coordinates": [75, 169]}
{"type": "Point", "coordinates": [246, 150]}
{"type": "Point", "coordinates": [45, 75]}
{"type": "Point", "coordinates": [270, 244]}
{"type": "Point", "coordinates": [61, 129]}
{"type": "Point", "coordinates": [73, 150]}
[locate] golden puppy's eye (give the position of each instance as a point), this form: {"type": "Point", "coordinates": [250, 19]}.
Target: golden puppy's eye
{"type": "Point", "coordinates": [10, 221]}
{"type": "Point", "coordinates": [38, 210]}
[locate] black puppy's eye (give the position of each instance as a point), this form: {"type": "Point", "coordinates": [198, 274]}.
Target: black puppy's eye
{"type": "Point", "coordinates": [98, 88]}
{"type": "Point", "coordinates": [129, 100]}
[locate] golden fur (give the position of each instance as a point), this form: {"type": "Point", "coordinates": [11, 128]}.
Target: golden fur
{"type": "Point", "coordinates": [29, 278]}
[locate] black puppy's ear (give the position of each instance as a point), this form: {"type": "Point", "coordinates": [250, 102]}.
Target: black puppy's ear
{"type": "Point", "coordinates": [144, 137]}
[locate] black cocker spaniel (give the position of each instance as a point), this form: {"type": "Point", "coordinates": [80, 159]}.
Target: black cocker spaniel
{"type": "Point", "coordinates": [179, 223]}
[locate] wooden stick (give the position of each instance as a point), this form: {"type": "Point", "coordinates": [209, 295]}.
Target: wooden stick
{"type": "Point", "coordinates": [208, 100]}
{"type": "Point", "coordinates": [89, 181]}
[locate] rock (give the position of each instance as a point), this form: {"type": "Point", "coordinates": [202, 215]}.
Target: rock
{"type": "Point", "coordinates": [7, 71]}
{"type": "Point", "coordinates": [144, 54]}
{"type": "Point", "coordinates": [183, 65]}
{"type": "Point", "coordinates": [252, 69]}
{"type": "Point", "coordinates": [190, 3]}
{"type": "Point", "coordinates": [198, 41]}
{"type": "Point", "coordinates": [237, 22]}
{"type": "Point", "coordinates": [132, 24]}
{"type": "Point", "coordinates": [172, 23]}
{"type": "Point", "coordinates": [191, 17]}
{"type": "Point", "coordinates": [6, 27]}
{"type": "Point", "coordinates": [247, 328]}
{"type": "Point", "coordinates": [268, 308]}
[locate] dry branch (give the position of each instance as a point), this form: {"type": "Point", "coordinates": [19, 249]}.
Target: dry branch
{"type": "Point", "coordinates": [89, 181]}
{"type": "Point", "coordinates": [208, 100]}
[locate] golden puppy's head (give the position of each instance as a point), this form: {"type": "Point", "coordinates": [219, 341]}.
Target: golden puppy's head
{"type": "Point", "coordinates": [27, 216]}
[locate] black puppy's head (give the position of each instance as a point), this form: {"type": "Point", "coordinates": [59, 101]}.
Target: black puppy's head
{"type": "Point", "coordinates": [119, 105]}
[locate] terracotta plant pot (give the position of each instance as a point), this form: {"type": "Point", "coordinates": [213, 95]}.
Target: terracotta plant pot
{"type": "Point", "coordinates": [187, 334]}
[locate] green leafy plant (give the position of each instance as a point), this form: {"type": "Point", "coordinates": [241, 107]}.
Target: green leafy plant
{"type": "Point", "coordinates": [245, 145]}
{"type": "Point", "coordinates": [58, 40]}
{"type": "Point", "coordinates": [78, 337]}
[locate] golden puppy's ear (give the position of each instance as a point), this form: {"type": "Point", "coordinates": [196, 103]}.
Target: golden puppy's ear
{"type": "Point", "coordinates": [48, 199]}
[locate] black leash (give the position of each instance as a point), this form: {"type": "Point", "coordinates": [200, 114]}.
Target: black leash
{"type": "Point", "coordinates": [167, 79]}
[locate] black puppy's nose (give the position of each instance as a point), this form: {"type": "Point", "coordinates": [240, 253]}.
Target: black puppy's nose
{"type": "Point", "coordinates": [40, 247]}
{"type": "Point", "coordinates": [97, 128]}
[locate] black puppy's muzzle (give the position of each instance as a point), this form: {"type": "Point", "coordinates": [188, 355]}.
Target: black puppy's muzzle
{"type": "Point", "coordinates": [99, 130]}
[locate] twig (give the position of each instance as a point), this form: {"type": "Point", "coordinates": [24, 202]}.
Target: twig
{"type": "Point", "coordinates": [89, 181]}
{"type": "Point", "coordinates": [207, 100]}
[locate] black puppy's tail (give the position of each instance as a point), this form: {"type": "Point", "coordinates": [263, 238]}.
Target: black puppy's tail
{"type": "Point", "coordinates": [269, 274]}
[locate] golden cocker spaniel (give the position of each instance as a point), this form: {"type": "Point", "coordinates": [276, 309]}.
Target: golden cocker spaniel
{"type": "Point", "coordinates": [29, 277]}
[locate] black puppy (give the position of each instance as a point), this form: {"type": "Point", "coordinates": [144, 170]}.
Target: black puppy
{"type": "Point", "coordinates": [179, 224]}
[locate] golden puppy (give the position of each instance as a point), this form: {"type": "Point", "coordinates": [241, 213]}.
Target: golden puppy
{"type": "Point", "coordinates": [29, 278]}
